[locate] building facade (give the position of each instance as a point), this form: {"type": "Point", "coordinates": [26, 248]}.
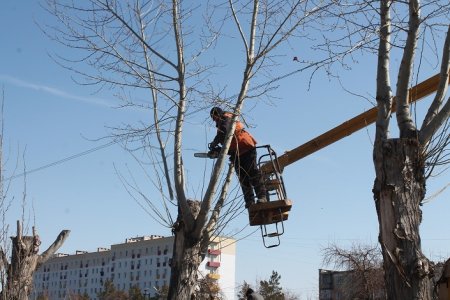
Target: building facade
{"type": "Point", "coordinates": [141, 261]}
{"type": "Point", "coordinates": [348, 285]}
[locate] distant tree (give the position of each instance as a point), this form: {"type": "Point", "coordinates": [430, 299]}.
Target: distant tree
{"type": "Point", "coordinates": [365, 279]}
{"type": "Point", "coordinates": [73, 296]}
{"type": "Point", "coordinates": [161, 293]}
{"type": "Point", "coordinates": [441, 283]}
{"type": "Point", "coordinates": [271, 289]}
{"type": "Point", "coordinates": [288, 295]}
{"type": "Point", "coordinates": [209, 289]}
{"type": "Point", "coordinates": [110, 292]}
{"type": "Point", "coordinates": [244, 287]}
{"type": "Point", "coordinates": [135, 293]}
{"type": "Point", "coordinates": [43, 297]}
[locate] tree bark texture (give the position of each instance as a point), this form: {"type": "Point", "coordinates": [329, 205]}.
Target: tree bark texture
{"type": "Point", "coordinates": [186, 259]}
{"type": "Point", "coordinates": [398, 191]}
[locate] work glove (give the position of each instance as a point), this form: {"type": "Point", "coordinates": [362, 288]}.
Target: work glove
{"type": "Point", "coordinates": [214, 150]}
{"type": "Point", "coordinates": [213, 146]}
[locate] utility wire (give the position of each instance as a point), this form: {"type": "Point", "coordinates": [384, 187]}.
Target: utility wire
{"type": "Point", "coordinates": [58, 162]}
{"type": "Point", "coordinates": [63, 160]}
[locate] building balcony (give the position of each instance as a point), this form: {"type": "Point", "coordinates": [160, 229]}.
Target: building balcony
{"type": "Point", "coordinates": [213, 264]}
{"type": "Point", "coordinates": [213, 276]}
{"type": "Point", "coordinates": [214, 252]}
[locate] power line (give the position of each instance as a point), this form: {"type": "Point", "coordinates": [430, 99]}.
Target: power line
{"type": "Point", "coordinates": [64, 160]}
{"type": "Point", "coordinates": [58, 162]}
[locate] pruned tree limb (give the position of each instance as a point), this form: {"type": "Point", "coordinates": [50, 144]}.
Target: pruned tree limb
{"type": "Point", "coordinates": [53, 247]}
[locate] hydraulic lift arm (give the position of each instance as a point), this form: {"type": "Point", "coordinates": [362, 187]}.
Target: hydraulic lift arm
{"type": "Point", "coordinates": [277, 211]}
{"type": "Point", "coordinates": [416, 93]}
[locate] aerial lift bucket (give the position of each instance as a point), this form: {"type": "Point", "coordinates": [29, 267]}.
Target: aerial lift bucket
{"type": "Point", "coordinates": [276, 210]}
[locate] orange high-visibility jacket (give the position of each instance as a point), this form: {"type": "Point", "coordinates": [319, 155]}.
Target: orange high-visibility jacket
{"type": "Point", "coordinates": [242, 140]}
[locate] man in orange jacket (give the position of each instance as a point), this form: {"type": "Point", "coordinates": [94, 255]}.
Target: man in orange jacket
{"type": "Point", "coordinates": [242, 153]}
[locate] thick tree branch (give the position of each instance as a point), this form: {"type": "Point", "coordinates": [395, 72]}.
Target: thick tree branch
{"type": "Point", "coordinates": [384, 92]}
{"type": "Point", "coordinates": [201, 219]}
{"type": "Point", "coordinates": [178, 161]}
{"type": "Point", "coordinates": [436, 123]}
{"type": "Point", "coordinates": [53, 247]}
{"type": "Point", "coordinates": [152, 81]}
{"type": "Point", "coordinates": [436, 117]}
{"type": "Point", "coordinates": [404, 120]}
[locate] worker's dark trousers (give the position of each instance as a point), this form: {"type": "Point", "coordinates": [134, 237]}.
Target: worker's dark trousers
{"type": "Point", "coordinates": [249, 176]}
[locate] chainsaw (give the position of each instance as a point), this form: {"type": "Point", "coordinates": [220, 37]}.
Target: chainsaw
{"type": "Point", "coordinates": [213, 152]}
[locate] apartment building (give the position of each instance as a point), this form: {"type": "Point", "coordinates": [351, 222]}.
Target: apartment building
{"type": "Point", "coordinates": [341, 285]}
{"type": "Point", "coordinates": [142, 261]}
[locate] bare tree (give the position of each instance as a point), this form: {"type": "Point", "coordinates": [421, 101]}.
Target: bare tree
{"type": "Point", "coordinates": [154, 50]}
{"type": "Point", "coordinates": [209, 289]}
{"type": "Point", "coordinates": [25, 260]}
{"type": "Point", "coordinates": [16, 274]}
{"type": "Point", "coordinates": [364, 279]}
{"type": "Point", "coordinates": [441, 285]}
{"type": "Point", "coordinates": [243, 290]}
{"type": "Point", "coordinates": [408, 32]}
{"type": "Point", "coordinates": [400, 164]}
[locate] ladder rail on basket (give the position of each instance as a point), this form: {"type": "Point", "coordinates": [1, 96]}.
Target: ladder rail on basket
{"type": "Point", "coordinates": [275, 211]}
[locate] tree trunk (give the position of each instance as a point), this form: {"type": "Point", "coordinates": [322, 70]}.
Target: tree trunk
{"type": "Point", "coordinates": [24, 259]}
{"type": "Point", "coordinates": [186, 259]}
{"type": "Point", "coordinates": [24, 262]}
{"type": "Point", "coordinates": [398, 191]}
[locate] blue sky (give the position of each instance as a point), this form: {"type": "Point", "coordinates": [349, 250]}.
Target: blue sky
{"type": "Point", "coordinates": [51, 118]}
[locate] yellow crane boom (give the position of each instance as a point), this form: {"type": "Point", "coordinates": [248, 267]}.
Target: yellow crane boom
{"type": "Point", "coordinates": [274, 212]}
{"type": "Point", "coordinates": [416, 93]}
